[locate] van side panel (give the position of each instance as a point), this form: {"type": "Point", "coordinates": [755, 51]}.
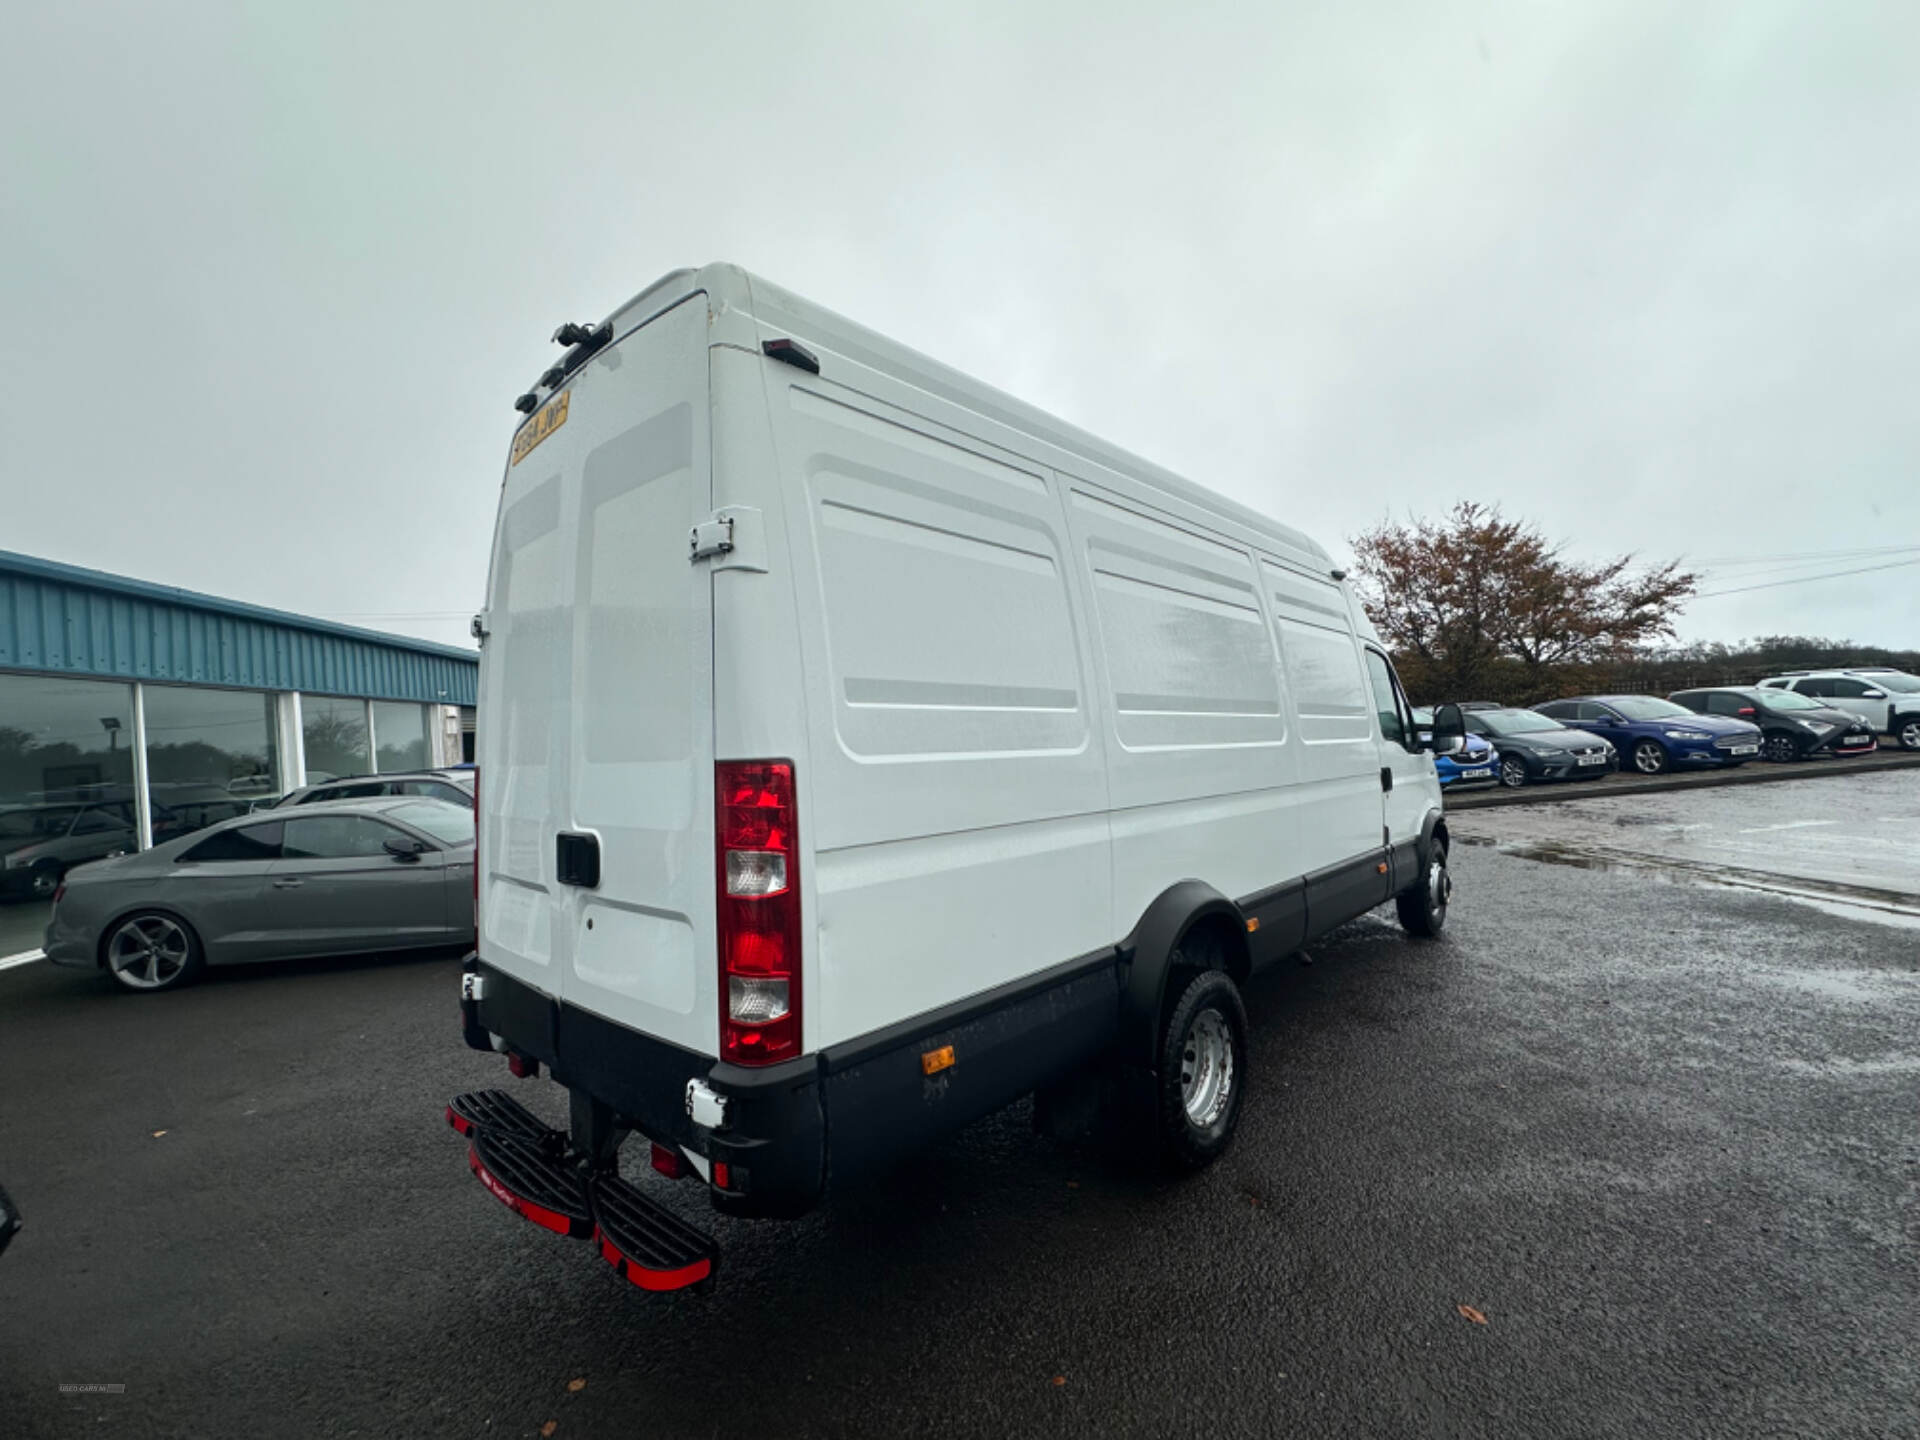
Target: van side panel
{"type": "Point", "coordinates": [1200, 768]}
{"type": "Point", "coordinates": [953, 789]}
{"type": "Point", "coordinates": [1339, 792]}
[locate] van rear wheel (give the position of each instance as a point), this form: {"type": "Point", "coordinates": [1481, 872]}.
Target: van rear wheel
{"type": "Point", "coordinates": [1203, 1072]}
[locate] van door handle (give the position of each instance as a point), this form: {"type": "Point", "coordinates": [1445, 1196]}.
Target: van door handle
{"type": "Point", "coordinates": [1386, 777]}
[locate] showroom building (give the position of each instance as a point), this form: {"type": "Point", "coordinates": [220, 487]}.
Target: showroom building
{"type": "Point", "coordinates": [132, 713]}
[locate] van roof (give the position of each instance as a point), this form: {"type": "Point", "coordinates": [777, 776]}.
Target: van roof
{"type": "Point", "coordinates": [730, 289]}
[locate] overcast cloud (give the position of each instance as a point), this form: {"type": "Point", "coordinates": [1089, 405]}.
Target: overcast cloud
{"type": "Point", "coordinates": [272, 274]}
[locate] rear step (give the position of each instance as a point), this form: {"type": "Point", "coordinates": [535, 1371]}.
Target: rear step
{"type": "Point", "coordinates": [645, 1241]}
{"type": "Point", "coordinates": [533, 1179]}
{"type": "Point", "coordinates": [499, 1112]}
{"type": "Point", "coordinates": [525, 1164]}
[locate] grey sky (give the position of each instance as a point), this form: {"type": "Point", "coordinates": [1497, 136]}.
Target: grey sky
{"type": "Point", "coordinates": [271, 274]}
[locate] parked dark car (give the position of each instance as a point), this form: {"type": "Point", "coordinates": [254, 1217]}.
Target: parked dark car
{"type": "Point", "coordinates": [1474, 763]}
{"type": "Point", "coordinates": [1792, 726]}
{"type": "Point", "coordinates": [1653, 735]}
{"type": "Point", "coordinates": [1535, 747]}
{"type": "Point", "coordinates": [349, 877]}
{"type": "Point", "coordinates": [453, 785]}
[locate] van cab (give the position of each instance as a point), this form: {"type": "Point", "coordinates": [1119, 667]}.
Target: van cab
{"type": "Point", "coordinates": [862, 749]}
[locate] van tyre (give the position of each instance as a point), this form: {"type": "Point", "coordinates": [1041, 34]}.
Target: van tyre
{"type": "Point", "coordinates": [152, 950]}
{"type": "Point", "coordinates": [1423, 908]}
{"type": "Point", "coordinates": [1202, 1078]}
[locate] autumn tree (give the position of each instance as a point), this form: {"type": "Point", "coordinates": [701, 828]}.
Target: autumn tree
{"type": "Point", "coordinates": [1464, 597]}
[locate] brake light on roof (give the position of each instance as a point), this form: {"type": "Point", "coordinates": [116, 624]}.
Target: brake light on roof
{"type": "Point", "coordinates": [758, 906]}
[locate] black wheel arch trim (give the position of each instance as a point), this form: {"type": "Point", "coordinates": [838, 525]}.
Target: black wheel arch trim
{"type": "Point", "coordinates": [1173, 915]}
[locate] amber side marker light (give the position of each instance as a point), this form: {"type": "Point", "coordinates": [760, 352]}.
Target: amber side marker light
{"type": "Point", "coordinates": [934, 1061]}
{"type": "Point", "coordinates": [1253, 924]}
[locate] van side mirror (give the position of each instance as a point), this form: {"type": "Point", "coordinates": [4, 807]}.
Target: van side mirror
{"type": "Point", "coordinates": [1449, 735]}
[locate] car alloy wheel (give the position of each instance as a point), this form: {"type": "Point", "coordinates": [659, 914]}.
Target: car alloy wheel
{"type": "Point", "coordinates": [1649, 757]}
{"type": "Point", "coordinates": [46, 880]}
{"type": "Point", "coordinates": [1513, 772]}
{"type": "Point", "coordinates": [1909, 732]}
{"type": "Point", "coordinates": [1780, 747]}
{"type": "Point", "coordinates": [150, 952]}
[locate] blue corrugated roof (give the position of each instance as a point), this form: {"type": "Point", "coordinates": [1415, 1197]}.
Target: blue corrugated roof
{"type": "Point", "coordinates": [73, 621]}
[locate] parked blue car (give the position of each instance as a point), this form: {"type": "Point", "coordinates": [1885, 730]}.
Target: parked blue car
{"type": "Point", "coordinates": [1472, 764]}
{"type": "Point", "coordinates": [1654, 735]}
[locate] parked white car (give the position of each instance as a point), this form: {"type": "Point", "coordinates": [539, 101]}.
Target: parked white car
{"type": "Point", "coordinates": [863, 749]}
{"type": "Point", "coordinates": [1887, 699]}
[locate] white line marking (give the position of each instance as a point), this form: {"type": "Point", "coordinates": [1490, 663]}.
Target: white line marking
{"type": "Point", "coordinates": [1789, 825]}
{"type": "Point", "coordinates": [25, 957]}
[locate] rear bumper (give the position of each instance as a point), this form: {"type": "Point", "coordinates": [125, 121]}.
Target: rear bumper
{"type": "Point", "coordinates": [775, 1130]}
{"type": "Point", "coordinates": [839, 1114]}
{"type": "Point", "coordinates": [67, 943]}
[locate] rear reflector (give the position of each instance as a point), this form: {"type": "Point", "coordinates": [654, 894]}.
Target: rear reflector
{"type": "Point", "coordinates": [757, 881]}
{"type": "Point", "coordinates": [667, 1162]}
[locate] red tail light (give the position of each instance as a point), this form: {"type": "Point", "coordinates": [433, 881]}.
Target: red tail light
{"type": "Point", "coordinates": [757, 872]}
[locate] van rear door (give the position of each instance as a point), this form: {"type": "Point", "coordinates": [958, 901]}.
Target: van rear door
{"type": "Point", "coordinates": [596, 704]}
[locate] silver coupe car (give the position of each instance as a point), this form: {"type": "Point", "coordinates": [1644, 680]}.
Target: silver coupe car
{"type": "Point", "coordinates": [341, 878]}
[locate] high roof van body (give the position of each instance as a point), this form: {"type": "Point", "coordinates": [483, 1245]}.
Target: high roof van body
{"type": "Point", "coordinates": [861, 749]}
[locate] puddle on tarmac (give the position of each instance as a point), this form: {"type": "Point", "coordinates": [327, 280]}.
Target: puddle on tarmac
{"type": "Point", "coordinates": [1892, 1065]}
{"type": "Point", "coordinates": [1853, 902]}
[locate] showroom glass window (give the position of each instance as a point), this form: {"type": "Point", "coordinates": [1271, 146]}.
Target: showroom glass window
{"type": "Point", "coordinates": [335, 733]}
{"type": "Point", "coordinates": [211, 754]}
{"type": "Point", "coordinates": [400, 735]}
{"type": "Point", "coordinates": [63, 744]}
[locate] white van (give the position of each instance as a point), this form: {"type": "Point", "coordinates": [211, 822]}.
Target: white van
{"type": "Point", "coordinates": [861, 750]}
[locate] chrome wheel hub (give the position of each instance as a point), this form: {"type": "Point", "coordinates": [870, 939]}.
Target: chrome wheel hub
{"type": "Point", "coordinates": [1206, 1069]}
{"type": "Point", "coordinates": [147, 952]}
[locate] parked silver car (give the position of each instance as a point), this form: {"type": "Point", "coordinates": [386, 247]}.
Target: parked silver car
{"type": "Point", "coordinates": [345, 877]}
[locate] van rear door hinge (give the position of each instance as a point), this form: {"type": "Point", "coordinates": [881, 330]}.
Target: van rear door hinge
{"type": "Point", "coordinates": [713, 537]}
{"type": "Point", "coordinates": [732, 540]}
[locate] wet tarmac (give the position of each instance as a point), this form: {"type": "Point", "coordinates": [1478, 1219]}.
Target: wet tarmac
{"type": "Point", "coordinates": [23, 925]}
{"type": "Point", "coordinates": [1664, 1139]}
{"type": "Point", "coordinates": [1849, 841]}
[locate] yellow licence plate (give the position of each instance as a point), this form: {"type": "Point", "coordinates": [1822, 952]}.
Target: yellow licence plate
{"type": "Point", "coordinates": [545, 421]}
